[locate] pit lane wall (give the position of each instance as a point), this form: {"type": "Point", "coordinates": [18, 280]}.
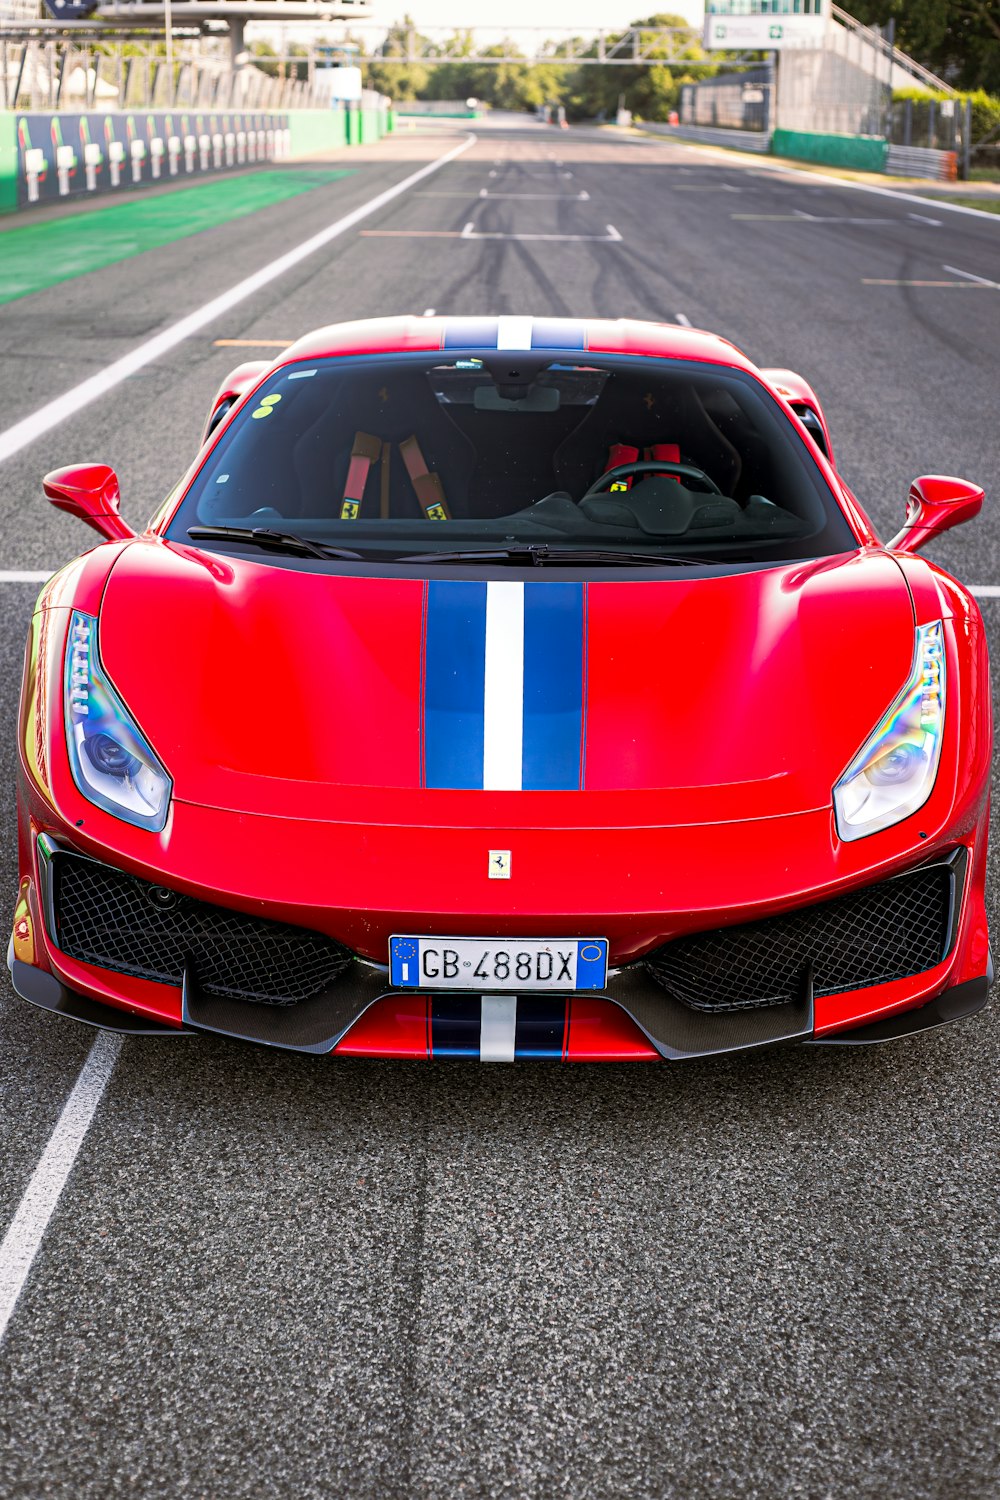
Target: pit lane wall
{"type": "Point", "coordinates": [45, 157]}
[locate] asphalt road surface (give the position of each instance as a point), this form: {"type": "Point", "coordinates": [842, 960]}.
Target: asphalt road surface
{"type": "Point", "coordinates": [275, 1275]}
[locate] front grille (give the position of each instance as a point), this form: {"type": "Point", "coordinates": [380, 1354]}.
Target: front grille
{"type": "Point", "coordinates": [887, 931]}
{"type": "Point", "coordinates": [108, 918]}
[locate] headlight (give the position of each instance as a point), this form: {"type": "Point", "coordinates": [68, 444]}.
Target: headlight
{"type": "Point", "coordinates": [112, 763]}
{"type": "Point", "coordinates": [895, 771]}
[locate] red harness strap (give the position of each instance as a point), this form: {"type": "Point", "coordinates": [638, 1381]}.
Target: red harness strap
{"type": "Point", "coordinates": [364, 453]}
{"type": "Point", "coordinates": [621, 453]}
{"type": "Point", "coordinates": [670, 453]}
{"type": "Point", "coordinates": [428, 487]}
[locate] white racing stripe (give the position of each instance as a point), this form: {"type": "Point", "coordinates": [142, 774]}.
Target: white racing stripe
{"type": "Point", "coordinates": [68, 405]}
{"type": "Point", "coordinates": [503, 696]}
{"type": "Point", "coordinates": [497, 1026]}
{"type": "Point", "coordinates": [513, 333]}
{"type": "Point", "coordinates": [21, 1242]}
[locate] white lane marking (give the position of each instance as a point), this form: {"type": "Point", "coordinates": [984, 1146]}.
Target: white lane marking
{"type": "Point", "coordinates": [841, 182]}
{"type": "Point", "coordinates": [23, 1238]}
{"type": "Point", "coordinates": [503, 687]}
{"type": "Point", "coordinates": [968, 276]}
{"type": "Point", "coordinates": [799, 216]}
{"type": "Point", "coordinates": [428, 312]}
{"type": "Point", "coordinates": [513, 333]}
{"type": "Point", "coordinates": [682, 319]}
{"type": "Point", "coordinates": [497, 1028]}
{"type": "Point", "coordinates": [493, 174]}
{"type": "Point", "coordinates": [984, 590]}
{"type": "Point", "coordinates": [470, 232]}
{"type": "Point", "coordinates": [924, 219]}
{"type": "Point", "coordinates": [484, 192]}
{"type": "Point", "coordinates": [68, 405]}
{"type": "Point", "coordinates": [12, 575]}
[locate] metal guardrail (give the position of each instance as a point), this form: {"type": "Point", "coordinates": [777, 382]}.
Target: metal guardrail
{"type": "Point", "coordinates": [921, 161]}
{"type": "Point", "coordinates": [708, 135]}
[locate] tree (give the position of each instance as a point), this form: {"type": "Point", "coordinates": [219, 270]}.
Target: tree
{"type": "Point", "coordinates": [404, 80]}
{"type": "Point", "coordinates": [650, 92]}
{"type": "Point", "coordinates": [958, 39]}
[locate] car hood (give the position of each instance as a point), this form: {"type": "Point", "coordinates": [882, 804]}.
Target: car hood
{"type": "Point", "coordinates": [297, 692]}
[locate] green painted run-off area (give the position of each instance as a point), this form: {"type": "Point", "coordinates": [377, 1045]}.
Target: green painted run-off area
{"type": "Point", "coordinates": [35, 256]}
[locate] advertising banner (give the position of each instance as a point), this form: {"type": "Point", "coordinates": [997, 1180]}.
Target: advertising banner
{"type": "Point", "coordinates": [68, 155]}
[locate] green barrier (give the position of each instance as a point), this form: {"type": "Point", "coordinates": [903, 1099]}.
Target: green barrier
{"type": "Point", "coordinates": [865, 153]}
{"type": "Point", "coordinates": [369, 126]}
{"type": "Point", "coordinates": [317, 130]}
{"type": "Point", "coordinates": [8, 162]}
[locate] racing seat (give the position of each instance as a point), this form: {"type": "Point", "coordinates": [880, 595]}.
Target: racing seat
{"type": "Point", "coordinates": [367, 452]}
{"type": "Point", "coordinates": [622, 419]}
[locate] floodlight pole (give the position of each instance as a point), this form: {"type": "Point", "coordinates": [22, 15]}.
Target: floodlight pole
{"type": "Point", "coordinates": [168, 23]}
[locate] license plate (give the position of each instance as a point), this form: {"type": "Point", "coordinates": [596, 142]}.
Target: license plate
{"type": "Point", "coordinates": [519, 964]}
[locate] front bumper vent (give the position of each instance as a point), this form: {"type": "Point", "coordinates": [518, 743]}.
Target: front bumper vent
{"type": "Point", "coordinates": [892, 930]}
{"type": "Point", "coordinates": [105, 917]}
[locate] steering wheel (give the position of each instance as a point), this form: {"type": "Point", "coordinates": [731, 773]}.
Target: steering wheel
{"type": "Point", "coordinates": [651, 466]}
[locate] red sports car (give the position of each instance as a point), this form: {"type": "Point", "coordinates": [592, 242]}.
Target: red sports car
{"type": "Point", "coordinates": [507, 688]}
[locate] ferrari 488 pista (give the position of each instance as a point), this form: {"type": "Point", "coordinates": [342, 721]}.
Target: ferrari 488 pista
{"type": "Point", "coordinates": [506, 688]}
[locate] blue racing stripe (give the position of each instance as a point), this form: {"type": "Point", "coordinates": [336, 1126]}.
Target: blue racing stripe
{"type": "Point", "coordinates": [470, 333]}
{"type": "Point", "coordinates": [541, 1023]}
{"type": "Point", "coordinates": [553, 686]}
{"type": "Point", "coordinates": [455, 1025]}
{"type": "Point", "coordinates": [454, 668]}
{"type": "Point", "coordinates": [558, 333]}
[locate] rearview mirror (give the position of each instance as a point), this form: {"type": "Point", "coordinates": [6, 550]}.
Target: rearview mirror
{"type": "Point", "coordinates": [91, 492]}
{"type": "Point", "coordinates": [936, 503]}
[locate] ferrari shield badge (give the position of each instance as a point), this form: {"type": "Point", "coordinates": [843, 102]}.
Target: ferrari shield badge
{"type": "Point", "coordinates": [499, 867]}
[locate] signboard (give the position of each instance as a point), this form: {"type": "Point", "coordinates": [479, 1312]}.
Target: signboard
{"type": "Point", "coordinates": [345, 82]}
{"type": "Point", "coordinates": [763, 33]}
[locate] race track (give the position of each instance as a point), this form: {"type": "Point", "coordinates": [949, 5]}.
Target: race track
{"type": "Point", "coordinates": [275, 1275]}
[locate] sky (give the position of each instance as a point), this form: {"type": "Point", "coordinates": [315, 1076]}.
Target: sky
{"type": "Point", "coordinates": [560, 15]}
{"type": "Point", "coordinates": [495, 21]}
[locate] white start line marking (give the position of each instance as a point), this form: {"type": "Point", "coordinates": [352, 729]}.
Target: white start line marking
{"type": "Point", "coordinates": [70, 403]}
{"type": "Point", "coordinates": [682, 319]}
{"type": "Point", "coordinates": [470, 232]}
{"type": "Point", "coordinates": [31, 1219]}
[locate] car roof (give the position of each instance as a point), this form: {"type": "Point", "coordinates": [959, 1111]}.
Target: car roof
{"type": "Point", "coordinates": [411, 335]}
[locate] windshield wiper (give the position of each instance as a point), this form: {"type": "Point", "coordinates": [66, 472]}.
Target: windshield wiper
{"type": "Point", "coordinates": [278, 541]}
{"type": "Point", "coordinates": [540, 554]}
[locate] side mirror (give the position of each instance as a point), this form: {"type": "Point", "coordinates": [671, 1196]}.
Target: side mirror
{"type": "Point", "coordinates": [91, 492]}
{"type": "Point", "coordinates": [936, 503]}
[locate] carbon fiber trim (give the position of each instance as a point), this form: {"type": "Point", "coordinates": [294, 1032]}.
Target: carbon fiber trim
{"type": "Point", "coordinates": [314, 1025]}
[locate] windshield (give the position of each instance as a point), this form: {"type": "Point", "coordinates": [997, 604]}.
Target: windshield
{"type": "Point", "coordinates": [412, 455]}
